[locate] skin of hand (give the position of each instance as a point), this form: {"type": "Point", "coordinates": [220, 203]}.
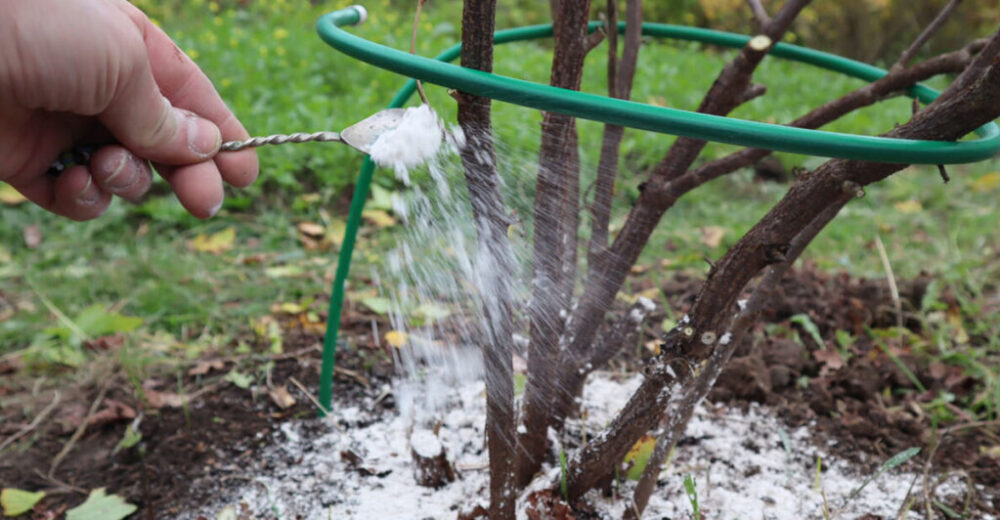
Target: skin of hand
{"type": "Point", "coordinates": [98, 72]}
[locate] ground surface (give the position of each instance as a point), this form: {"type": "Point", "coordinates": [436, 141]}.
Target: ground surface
{"type": "Point", "coordinates": [856, 397]}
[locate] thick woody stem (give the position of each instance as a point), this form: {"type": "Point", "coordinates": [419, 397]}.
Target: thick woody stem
{"type": "Point", "coordinates": [489, 211]}
{"type": "Point", "coordinates": [556, 221]}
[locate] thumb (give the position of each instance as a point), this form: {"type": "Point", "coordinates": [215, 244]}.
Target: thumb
{"type": "Point", "coordinates": [145, 122]}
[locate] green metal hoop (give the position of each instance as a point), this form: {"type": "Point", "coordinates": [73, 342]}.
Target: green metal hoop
{"type": "Point", "coordinates": [624, 113]}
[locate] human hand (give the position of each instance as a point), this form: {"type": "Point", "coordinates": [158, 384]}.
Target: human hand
{"type": "Point", "coordinates": [96, 72]}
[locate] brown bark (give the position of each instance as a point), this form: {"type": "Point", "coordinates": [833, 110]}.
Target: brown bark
{"type": "Point", "coordinates": [556, 220]}
{"type": "Point", "coordinates": [766, 244]}
{"type": "Point", "coordinates": [680, 412]}
{"type": "Point", "coordinates": [619, 86]}
{"type": "Point", "coordinates": [489, 211]}
{"type": "Point", "coordinates": [603, 283]}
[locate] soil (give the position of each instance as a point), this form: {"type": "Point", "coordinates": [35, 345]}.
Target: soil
{"type": "Point", "coordinates": [855, 395]}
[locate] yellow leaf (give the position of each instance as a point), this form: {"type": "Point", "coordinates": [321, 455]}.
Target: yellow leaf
{"type": "Point", "coordinates": [988, 182]}
{"type": "Point", "coordinates": [10, 196]}
{"type": "Point", "coordinates": [215, 243]}
{"type": "Point", "coordinates": [638, 456]}
{"type": "Point", "coordinates": [396, 338]}
{"type": "Point", "coordinates": [908, 206]}
{"type": "Point", "coordinates": [990, 451]}
{"type": "Point", "coordinates": [16, 502]}
{"type": "Point", "coordinates": [379, 217]}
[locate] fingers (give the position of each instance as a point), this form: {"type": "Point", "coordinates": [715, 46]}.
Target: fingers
{"type": "Point", "coordinates": [198, 187]}
{"type": "Point", "coordinates": [76, 196]}
{"type": "Point", "coordinates": [73, 194]}
{"type": "Point", "coordinates": [187, 87]}
{"type": "Point", "coordinates": [119, 172]}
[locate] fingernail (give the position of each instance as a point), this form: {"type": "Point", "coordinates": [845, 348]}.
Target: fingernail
{"type": "Point", "coordinates": [203, 137]}
{"type": "Point", "coordinates": [121, 177]}
{"type": "Point", "coordinates": [89, 195]}
{"type": "Point", "coordinates": [214, 209]}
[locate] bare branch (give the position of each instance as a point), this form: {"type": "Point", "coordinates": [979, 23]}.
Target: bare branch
{"type": "Point", "coordinates": [975, 69]}
{"type": "Point", "coordinates": [620, 86]}
{"type": "Point", "coordinates": [896, 81]}
{"type": "Point", "coordinates": [556, 221]}
{"type": "Point", "coordinates": [767, 243]}
{"type": "Point", "coordinates": [683, 409]}
{"type": "Point", "coordinates": [929, 31]}
{"type": "Point", "coordinates": [413, 47]}
{"type": "Point", "coordinates": [760, 16]}
{"type": "Point", "coordinates": [605, 279]}
{"type": "Point", "coordinates": [479, 162]}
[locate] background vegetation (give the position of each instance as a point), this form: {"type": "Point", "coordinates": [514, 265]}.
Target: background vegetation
{"type": "Point", "coordinates": [182, 287]}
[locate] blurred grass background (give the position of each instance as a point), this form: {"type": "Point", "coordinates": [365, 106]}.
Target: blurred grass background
{"type": "Point", "coordinates": [191, 295]}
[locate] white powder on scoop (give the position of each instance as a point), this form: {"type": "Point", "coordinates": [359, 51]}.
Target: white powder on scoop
{"type": "Point", "coordinates": [415, 141]}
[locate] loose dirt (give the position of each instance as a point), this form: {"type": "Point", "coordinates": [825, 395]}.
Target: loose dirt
{"type": "Point", "coordinates": [858, 396]}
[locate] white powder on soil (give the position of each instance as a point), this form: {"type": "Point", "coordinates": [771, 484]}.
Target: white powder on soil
{"type": "Point", "coordinates": [746, 466]}
{"type": "Point", "coordinates": [415, 141]}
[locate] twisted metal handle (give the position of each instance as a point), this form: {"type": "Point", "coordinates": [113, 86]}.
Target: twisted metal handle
{"type": "Point", "coordinates": [298, 137]}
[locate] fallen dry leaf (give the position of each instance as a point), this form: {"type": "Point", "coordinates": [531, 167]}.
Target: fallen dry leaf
{"type": "Point", "coordinates": [204, 367]}
{"type": "Point", "coordinates": [114, 411]}
{"type": "Point", "coordinates": [381, 218]}
{"type": "Point", "coordinates": [32, 236]}
{"type": "Point", "coordinates": [216, 243]}
{"type": "Point", "coordinates": [907, 207]}
{"type": "Point", "coordinates": [711, 236]}
{"type": "Point", "coordinates": [158, 399]}
{"type": "Point", "coordinates": [281, 397]}
{"type": "Point", "coordinates": [830, 359]}
{"type": "Point", "coordinates": [10, 196]}
{"type": "Point", "coordinates": [396, 338]}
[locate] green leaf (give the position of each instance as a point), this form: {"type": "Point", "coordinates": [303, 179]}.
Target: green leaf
{"type": "Point", "coordinates": [692, 494]}
{"type": "Point", "coordinates": [130, 439]}
{"type": "Point", "coordinates": [638, 456]}
{"type": "Point", "coordinates": [100, 506]}
{"type": "Point", "coordinates": [17, 502]}
{"type": "Point", "coordinates": [893, 461]}
{"type": "Point", "coordinates": [377, 304]}
{"type": "Point", "coordinates": [520, 381]}
{"type": "Point", "coordinates": [239, 379]}
{"type": "Point", "coordinates": [804, 321]}
{"type": "Point", "coordinates": [431, 312]}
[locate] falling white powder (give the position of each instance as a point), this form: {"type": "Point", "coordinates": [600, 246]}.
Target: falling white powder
{"type": "Point", "coordinates": [415, 141]}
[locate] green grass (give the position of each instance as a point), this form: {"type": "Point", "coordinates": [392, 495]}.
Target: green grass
{"type": "Point", "coordinates": [279, 77]}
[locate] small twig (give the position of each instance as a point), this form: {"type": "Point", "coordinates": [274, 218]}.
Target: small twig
{"type": "Point", "coordinates": [759, 13]}
{"type": "Point", "coordinates": [893, 288]}
{"type": "Point", "coordinates": [413, 47]}
{"type": "Point", "coordinates": [61, 487]}
{"type": "Point", "coordinates": [34, 422]}
{"type": "Point", "coordinates": [935, 24]}
{"type": "Point", "coordinates": [314, 401]}
{"type": "Point", "coordinates": [943, 173]}
{"type": "Point", "coordinates": [79, 430]}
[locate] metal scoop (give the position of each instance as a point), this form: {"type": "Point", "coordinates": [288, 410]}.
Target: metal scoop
{"type": "Point", "coordinates": [359, 136]}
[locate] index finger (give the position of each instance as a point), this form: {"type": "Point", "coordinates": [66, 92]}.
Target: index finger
{"type": "Point", "coordinates": [186, 86]}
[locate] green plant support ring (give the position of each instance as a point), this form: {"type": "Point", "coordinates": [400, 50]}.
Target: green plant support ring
{"type": "Point", "coordinates": [625, 113]}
